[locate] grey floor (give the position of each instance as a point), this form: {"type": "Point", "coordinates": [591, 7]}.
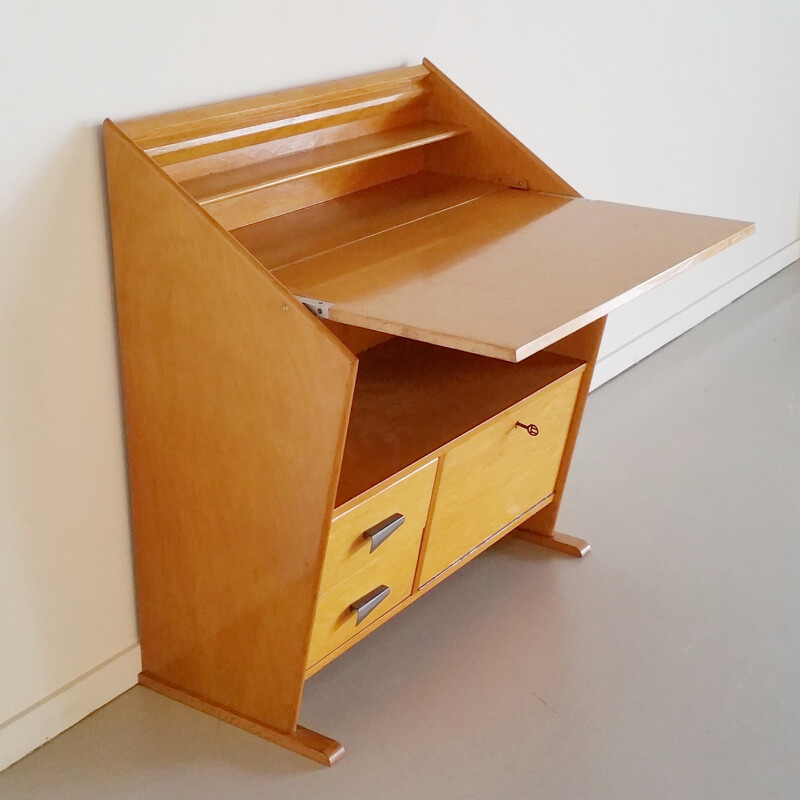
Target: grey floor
{"type": "Point", "coordinates": [664, 665]}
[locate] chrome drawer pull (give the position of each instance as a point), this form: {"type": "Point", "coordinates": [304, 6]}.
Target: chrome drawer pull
{"type": "Point", "coordinates": [532, 429]}
{"type": "Point", "coordinates": [369, 602]}
{"type": "Point", "coordinates": [379, 533]}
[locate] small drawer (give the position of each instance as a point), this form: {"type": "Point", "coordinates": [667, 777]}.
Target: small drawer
{"type": "Point", "coordinates": [336, 619]}
{"type": "Point", "coordinates": [498, 473]}
{"type": "Point", "coordinates": [358, 538]}
{"type": "Point", "coordinates": [372, 548]}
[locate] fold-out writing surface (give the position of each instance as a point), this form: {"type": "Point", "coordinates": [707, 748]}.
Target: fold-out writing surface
{"type": "Point", "coordinates": [508, 273]}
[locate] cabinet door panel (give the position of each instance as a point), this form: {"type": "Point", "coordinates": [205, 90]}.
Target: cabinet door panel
{"type": "Point", "coordinates": [498, 473]}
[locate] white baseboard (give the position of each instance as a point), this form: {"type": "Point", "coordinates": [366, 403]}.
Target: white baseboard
{"type": "Point", "coordinates": [39, 723]}
{"type": "Point", "coordinates": [612, 364]}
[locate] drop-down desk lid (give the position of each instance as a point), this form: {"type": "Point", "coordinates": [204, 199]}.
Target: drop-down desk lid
{"type": "Point", "coordinates": [503, 273]}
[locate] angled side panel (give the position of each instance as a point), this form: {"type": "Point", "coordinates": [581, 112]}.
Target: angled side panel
{"type": "Point", "coordinates": [236, 406]}
{"type": "Point", "coordinates": [490, 152]}
{"type": "Point", "coordinates": [584, 344]}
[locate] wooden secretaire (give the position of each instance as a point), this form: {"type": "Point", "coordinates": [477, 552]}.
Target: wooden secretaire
{"type": "Point", "coordinates": [357, 323]}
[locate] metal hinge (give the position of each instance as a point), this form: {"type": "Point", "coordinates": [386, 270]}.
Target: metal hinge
{"type": "Point", "coordinates": [319, 308]}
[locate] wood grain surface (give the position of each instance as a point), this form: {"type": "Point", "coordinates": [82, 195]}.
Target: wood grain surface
{"type": "Point", "coordinates": [492, 152]}
{"type": "Point", "coordinates": [158, 132]}
{"type": "Point", "coordinates": [348, 552]}
{"type": "Point", "coordinates": [220, 370]}
{"type": "Point", "coordinates": [496, 475]}
{"type": "Point", "coordinates": [304, 163]}
{"type": "Point", "coordinates": [413, 399]}
{"type": "Point", "coordinates": [509, 273]}
{"type": "Point", "coordinates": [308, 743]}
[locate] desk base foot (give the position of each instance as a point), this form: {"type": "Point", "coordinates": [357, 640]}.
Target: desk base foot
{"type": "Point", "coordinates": [571, 545]}
{"type": "Point", "coordinates": [306, 742]}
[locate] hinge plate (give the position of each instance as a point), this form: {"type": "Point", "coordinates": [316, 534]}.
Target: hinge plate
{"type": "Point", "coordinates": [319, 308]}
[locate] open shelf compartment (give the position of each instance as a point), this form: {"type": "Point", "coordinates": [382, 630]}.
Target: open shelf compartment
{"type": "Point", "coordinates": [413, 398]}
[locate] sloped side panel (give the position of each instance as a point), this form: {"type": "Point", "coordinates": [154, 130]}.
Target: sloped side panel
{"type": "Point", "coordinates": [490, 152]}
{"type": "Point", "coordinates": [236, 405]}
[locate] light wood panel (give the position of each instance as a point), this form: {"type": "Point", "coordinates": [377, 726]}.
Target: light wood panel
{"type": "Point", "coordinates": [221, 369]}
{"type": "Point", "coordinates": [278, 242]}
{"type": "Point", "coordinates": [292, 196]}
{"type": "Point", "coordinates": [363, 110]}
{"type": "Point", "coordinates": [286, 139]}
{"type": "Point", "coordinates": [509, 273]}
{"type": "Point", "coordinates": [348, 552]}
{"type": "Point", "coordinates": [491, 153]}
{"type": "Point", "coordinates": [335, 621]}
{"type": "Point", "coordinates": [413, 399]}
{"type": "Point", "coordinates": [263, 174]}
{"type": "Point", "coordinates": [306, 742]}
{"type": "Point", "coordinates": [497, 474]}
{"type": "Point", "coordinates": [355, 339]}
{"type": "Point", "coordinates": [392, 612]}
{"type": "Point", "coordinates": [163, 130]}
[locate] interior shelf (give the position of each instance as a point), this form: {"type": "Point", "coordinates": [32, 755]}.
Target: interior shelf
{"type": "Point", "coordinates": [263, 174]}
{"type": "Point", "coordinates": [283, 240]}
{"type": "Point", "coordinates": [412, 398]}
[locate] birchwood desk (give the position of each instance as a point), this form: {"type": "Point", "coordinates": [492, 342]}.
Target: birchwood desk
{"type": "Point", "coordinates": [358, 323]}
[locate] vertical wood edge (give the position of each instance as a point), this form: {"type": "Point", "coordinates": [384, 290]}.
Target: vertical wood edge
{"type": "Point", "coordinates": [584, 344]}
{"type": "Point", "coordinates": [331, 505]}
{"type": "Point", "coordinates": [423, 546]}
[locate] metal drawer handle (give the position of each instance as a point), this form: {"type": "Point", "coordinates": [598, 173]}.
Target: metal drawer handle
{"type": "Point", "coordinates": [379, 533]}
{"type": "Point", "coordinates": [532, 429]}
{"type": "Point", "coordinates": [369, 602]}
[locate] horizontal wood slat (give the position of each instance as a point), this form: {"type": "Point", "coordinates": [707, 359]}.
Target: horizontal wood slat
{"type": "Point", "coordinates": [164, 129]}
{"type": "Point", "coordinates": [226, 185]}
{"type": "Point", "coordinates": [282, 127]}
{"type": "Point", "coordinates": [291, 137]}
{"type": "Point", "coordinates": [318, 187]}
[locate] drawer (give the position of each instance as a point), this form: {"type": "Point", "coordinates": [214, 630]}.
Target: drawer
{"type": "Point", "coordinates": [350, 550]}
{"type": "Point", "coordinates": [498, 473]}
{"type": "Point", "coordinates": [336, 621]}
{"type": "Point", "coordinates": [354, 567]}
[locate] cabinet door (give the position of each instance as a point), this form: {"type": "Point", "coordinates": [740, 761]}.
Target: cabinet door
{"type": "Point", "coordinates": [498, 473]}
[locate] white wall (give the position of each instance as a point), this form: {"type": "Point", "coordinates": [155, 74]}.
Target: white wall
{"type": "Point", "coordinates": [691, 105]}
